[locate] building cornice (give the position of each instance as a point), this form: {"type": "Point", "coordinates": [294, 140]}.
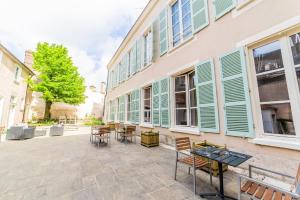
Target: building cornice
{"type": "Point", "coordinates": [13, 57]}
{"type": "Point", "coordinates": [147, 10]}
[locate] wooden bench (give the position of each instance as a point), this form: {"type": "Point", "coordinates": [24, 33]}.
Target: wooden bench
{"type": "Point", "coordinates": [256, 189]}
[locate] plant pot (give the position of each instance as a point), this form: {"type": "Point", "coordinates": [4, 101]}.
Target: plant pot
{"type": "Point", "coordinates": [214, 165]}
{"type": "Point", "coordinates": [150, 139]}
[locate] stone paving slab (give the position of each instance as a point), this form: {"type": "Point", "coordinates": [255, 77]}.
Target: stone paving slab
{"type": "Point", "coordinates": [70, 168]}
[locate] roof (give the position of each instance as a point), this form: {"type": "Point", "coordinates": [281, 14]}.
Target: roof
{"type": "Point", "coordinates": [133, 29]}
{"type": "Point", "coordinates": [12, 56]}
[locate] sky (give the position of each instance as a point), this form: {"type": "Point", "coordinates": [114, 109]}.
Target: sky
{"type": "Point", "coordinates": [92, 30]}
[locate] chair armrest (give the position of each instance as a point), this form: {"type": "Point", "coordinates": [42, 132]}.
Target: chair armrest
{"type": "Point", "coordinates": [240, 177]}
{"type": "Point", "coordinates": [267, 170]}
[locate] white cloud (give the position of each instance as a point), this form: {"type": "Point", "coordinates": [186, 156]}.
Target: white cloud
{"type": "Point", "coordinates": [90, 29]}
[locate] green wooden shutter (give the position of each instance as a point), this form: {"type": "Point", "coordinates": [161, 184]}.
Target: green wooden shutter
{"type": "Point", "coordinates": [156, 103]}
{"type": "Point", "coordinates": [163, 32]}
{"type": "Point", "coordinates": [121, 113]}
{"type": "Point", "coordinates": [133, 60]}
{"type": "Point", "coordinates": [200, 14]}
{"type": "Point", "coordinates": [238, 117]}
{"type": "Point", "coordinates": [127, 67]}
{"type": "Point", "coordinates": [222, 7]}
{"type": "Point", "coordinates": [208, 120]}
{"type": "Point", "coordinates": [139, 54]}
{"type": "Point", "coordinates": [164, 103]}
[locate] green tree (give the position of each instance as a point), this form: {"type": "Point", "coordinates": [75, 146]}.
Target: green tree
{"type": "Point", "coordinates": [58, 79]}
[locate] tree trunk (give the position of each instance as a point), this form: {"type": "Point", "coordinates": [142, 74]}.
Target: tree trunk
{"type": "Point", "coordinates": [47, 114]}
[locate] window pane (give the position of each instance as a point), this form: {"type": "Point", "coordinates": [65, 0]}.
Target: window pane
{"type": "Point", "coordinates": [186, 18]}
{"type": "Point", "coordinates": [175, 23]}
{"type": "Point", "coordinates": [268, 57]}
{"type": "Point", "coordinates": [194, 117]}
{"type": "Point", "coordinates": [193, 98]}
{"type": "Point", "coordinates": [147, 93]}
{"type": "Point", "coordinates": [180, 100]}
{"type": "Point", "coordinates": [147, 117]}
{"type": "Point", "coordinates": [180, 84]}
{"type": "Point", "coordinates": [192, 80]}
{"type": "Point", "coordinates": [272, 87]}
{"type": "Point", "coordinates": [298, 76]}
{"type": "Point", "coordinates": [277, 119]}
{"type": "Point", "coordinates": [295, 45]}
{"type": "Point", "coordinates": [181, 117]}
{"type": "Point", "coordinates": [147, 105]}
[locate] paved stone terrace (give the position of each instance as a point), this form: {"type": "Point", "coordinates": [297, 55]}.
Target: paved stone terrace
{"type": "Point", "coordinates": [69, 167]}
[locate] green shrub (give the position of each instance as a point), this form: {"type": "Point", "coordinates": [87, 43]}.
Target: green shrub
{"type": "Point", "coordinates": [92, 121]}
{"type": "Point", "coordinates": [42, 123]}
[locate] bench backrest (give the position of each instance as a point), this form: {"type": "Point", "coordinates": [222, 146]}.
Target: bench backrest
{"type": "Point", "coordinates": [182, 143]}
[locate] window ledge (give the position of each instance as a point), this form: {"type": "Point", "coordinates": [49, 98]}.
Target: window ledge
{"type": "Point", "coordinates": [287, 143]}
{"type": "Point", "coordinates": [244, 4]}
{"type": "Point", "coordinates": [181, 44]}
{"type": "Point", "coordinates": [188, 130]}
{"type": "Point", "coordinates": [145, 125]}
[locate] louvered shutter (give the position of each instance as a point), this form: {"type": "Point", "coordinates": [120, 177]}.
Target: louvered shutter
{"type": "Point", "coordinates": [151, 45]}
{"type": "Point", "coordinates": [238, 117]}
{"type": "Point", "coordinates": [127, 67]}
{"type": "Point", "coordinates": [133, 60]}
{"type": "Point", "coordinates": [222, 7]}
{"type": "Point", "coordinates": [156, 103]}
{"type": "Point", "coordinates": [132, 96]}
{"type": "Point", "coordinates": [163, 32]}
{"type": "Point", "coordinates": [208, 120]}
{"type": "Point", "coordinates": [200, 14]}
{"type": "Point", "coordinates": [138, 55]}
{"type": "Point", "coordinates": [122, 108]}
{"type": "Point", "coordinates": [164, 103]}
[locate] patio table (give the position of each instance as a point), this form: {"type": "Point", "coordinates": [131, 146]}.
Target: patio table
{"type": "Point", "coordinates": [222, 156]}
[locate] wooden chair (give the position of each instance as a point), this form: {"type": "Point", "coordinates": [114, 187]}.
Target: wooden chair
{"type": "Point", "coordinates": [112, 127]}
{"type": "Point", "coordinates": [104, 133]}
{"type": "Point", "coordinates": [130, 133]}
{"type": "Point", "coordinates": [119, 129]}
{"type": "Point", "coordinates": [183, 148]}
{"type": "Point", "coordinates": [255, 189]}
{"type": "Point", "coordinates": [94, 132]}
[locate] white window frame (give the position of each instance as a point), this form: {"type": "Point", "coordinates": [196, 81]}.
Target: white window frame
{"type": "Point", "coordinates": [187, 99]}
{"type": "Point", "coordinates": [148, 47]}
{"type": "Point", "coordinates": [18, 74]}
{"type": "Point", "coordinates": [143, 104]}
{"type": "Point", "coordinates": [292, 85]}
{"type": "Point", "coordinates": [182, 39]}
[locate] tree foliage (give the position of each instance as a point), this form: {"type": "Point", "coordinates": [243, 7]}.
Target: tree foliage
{"type": "Point", "coordinates": [58, 79]}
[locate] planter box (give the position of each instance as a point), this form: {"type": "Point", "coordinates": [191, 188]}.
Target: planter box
{"type": "Point", "coordinates": [150, 139]}
{"type": "Point", "coordinates": [215, 169]}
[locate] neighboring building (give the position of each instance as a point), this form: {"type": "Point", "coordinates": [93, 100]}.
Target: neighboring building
{"type": "Point", "coordinates": [221, 70]}
{"type": "Point", "coordinates": [93, 105]}
{"type": "Point", "coordinates": [15, 95]}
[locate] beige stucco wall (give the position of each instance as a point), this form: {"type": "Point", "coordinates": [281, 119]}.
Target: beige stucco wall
{"type": "Point", "coordinates": [8, 88]}
{"type": "Point", "coordinates": [219, 38]}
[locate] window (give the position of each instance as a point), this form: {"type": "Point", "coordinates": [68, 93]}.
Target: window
{"type": "Point", "coordinates": [128, 107]}
{"type": "Point", "coordinates": [185, 100]}
{"type": "Point", "coordinates": [18, 73]}
{"type": "Point", "coordinates": [273, 90]}
{"type": "Point", "coordinates": [1, 55]}
{"type": "Point", "coordinates": [147, 104]}
{"type": "Point", "coordinates": [147, 48]}
{"type": "Point", "coordinates": [181, 21]}
{"type": "Point", "coordinates": [295, 48]}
